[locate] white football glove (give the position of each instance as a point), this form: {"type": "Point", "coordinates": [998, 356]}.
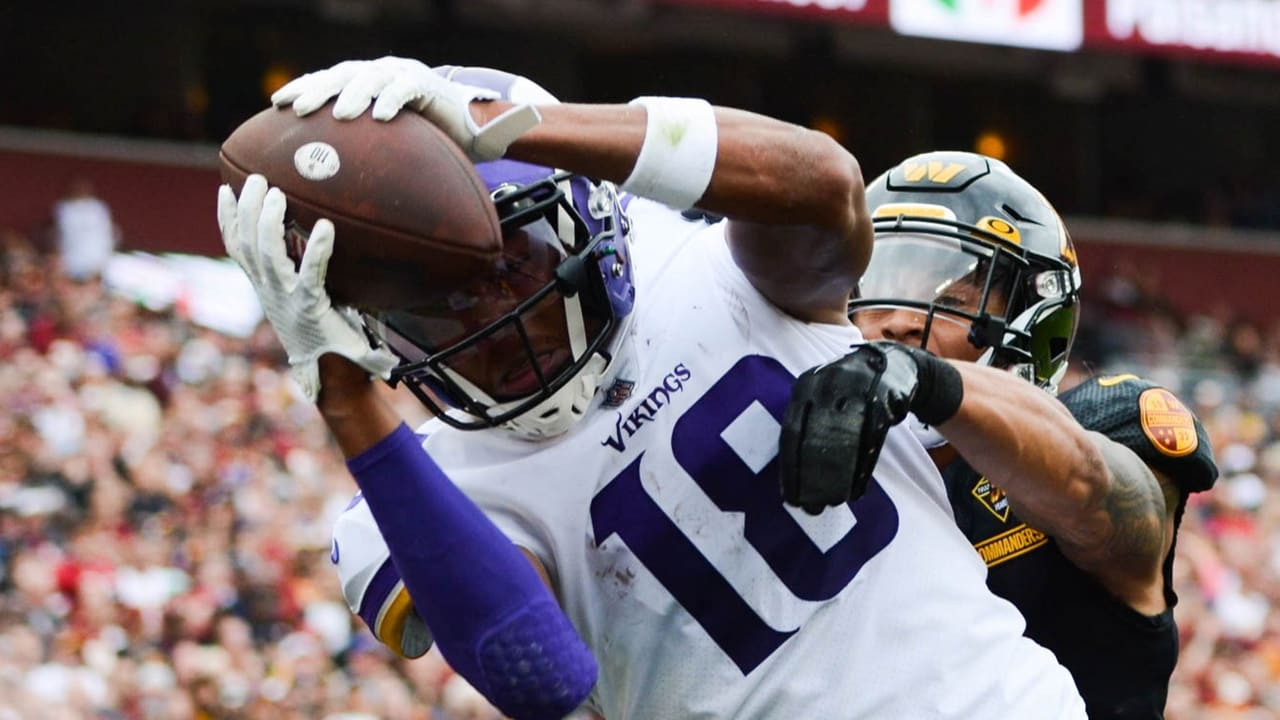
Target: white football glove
{"type": "Point", "coordinates": [294, 301]}
{"type": "Point", "coordinates": [400, 82]}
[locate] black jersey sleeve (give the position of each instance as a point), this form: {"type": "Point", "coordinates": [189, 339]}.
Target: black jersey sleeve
{"type": "Point", "coordinates": [1151, 421]}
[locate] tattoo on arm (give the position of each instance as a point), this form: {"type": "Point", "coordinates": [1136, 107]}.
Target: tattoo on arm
{"type": "Point", "coordinates": [1135, 505]}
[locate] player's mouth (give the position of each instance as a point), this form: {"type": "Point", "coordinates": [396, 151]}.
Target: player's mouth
{"type": "Point", "coordinates": [522, 379]}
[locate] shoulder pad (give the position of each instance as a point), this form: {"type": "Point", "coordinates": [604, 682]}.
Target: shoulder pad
{"type": "Point", "coordinates": [1150, 420]}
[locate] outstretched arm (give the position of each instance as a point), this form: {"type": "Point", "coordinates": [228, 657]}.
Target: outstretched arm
{"type": "Point", "coordinates": [483, 601]}
{"type": "Point", "coordinates": [762, 166]}
{"type": "Point", "coordinates": [798, 223]}
{"type": "Point", "coordinates": [799, 227]}
{"type": "Point", "coordinates": [1100, 502]}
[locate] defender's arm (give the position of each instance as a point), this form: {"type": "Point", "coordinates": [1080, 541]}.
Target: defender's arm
{"type": "Point", "coordinates": [1100, 502]}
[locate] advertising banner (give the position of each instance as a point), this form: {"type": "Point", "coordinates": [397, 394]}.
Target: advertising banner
{"type": "Point", "coordinates": [1211, 30]}
{"type": "Point", "coordinates": [1040, 24]}
{"type": "Point", "coordinates": [858, 11]}
{"type": "Point", "coordinates": [1236, 30]}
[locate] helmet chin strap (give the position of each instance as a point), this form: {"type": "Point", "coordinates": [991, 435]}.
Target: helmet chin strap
{"type": "Point", "coordinates": [560, 412]}
{"type": "Point", "coordinates": [931, 438]}
{"type": "Point", "coordinates": [1056, 379]}
{"type": "Point", "coordinates": [929, 435]}
{"type": "Point", "coordinates": [566, 406]}
{"type": "Point", "coordinates": [562, 409]}
{"type": "Point", "coordinates": [554, 415]}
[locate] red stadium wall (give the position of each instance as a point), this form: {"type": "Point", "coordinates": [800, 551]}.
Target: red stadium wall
{"type": "Point", "coordinates": [1193, 280]}
{"type": "Point", "coordinates": [1199, 270]}
{"type": "Point", "coordinates": [165, 203]}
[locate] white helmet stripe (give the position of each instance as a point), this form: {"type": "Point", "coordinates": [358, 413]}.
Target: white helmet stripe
{"type": "Point", "coordinates": [577, 325]}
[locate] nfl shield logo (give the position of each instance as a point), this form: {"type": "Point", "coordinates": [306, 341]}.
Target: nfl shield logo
{"type": "Point", "coordinates": [618, 393]}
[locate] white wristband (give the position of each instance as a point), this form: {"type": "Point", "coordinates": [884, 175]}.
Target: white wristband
{"type": "Point", "coordinates": [679, 152]}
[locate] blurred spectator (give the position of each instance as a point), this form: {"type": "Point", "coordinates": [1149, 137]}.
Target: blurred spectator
{"type": "Point", "coordinates": [1228, 553]}
{"type": "Point", "coordinates": [165, 503]}
{"type": "Point", "coordinates": [84, 232]}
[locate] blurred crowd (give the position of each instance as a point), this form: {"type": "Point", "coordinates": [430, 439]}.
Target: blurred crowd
{"type": "Point", "coordinates": [1227, 566]}
{"type": "Point", "coordinates": [166, 496]}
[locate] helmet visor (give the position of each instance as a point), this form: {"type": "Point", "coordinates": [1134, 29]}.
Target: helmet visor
{"type": "Point", "coordinates": [506, 333]}
{"type": "Point", "coordinates": [938, 276]}
{"type": "Point", "coordinates": [926, 269]}
{"type": "Point", "coordinates": [530, 255]}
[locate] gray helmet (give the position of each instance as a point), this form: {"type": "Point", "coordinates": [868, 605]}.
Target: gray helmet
{"type": "Point", "coordinates": [943, 218]}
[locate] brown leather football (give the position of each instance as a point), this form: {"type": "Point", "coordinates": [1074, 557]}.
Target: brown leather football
{"type": "Point", "coordinates": [412, 219]}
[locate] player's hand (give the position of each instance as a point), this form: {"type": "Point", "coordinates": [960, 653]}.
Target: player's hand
{"type": "Point", "coordinates": [837, 420]}
{"type": "Point", "coordinates": [392, 83]}
{"type": "Point", "coordinates": [294, 301]}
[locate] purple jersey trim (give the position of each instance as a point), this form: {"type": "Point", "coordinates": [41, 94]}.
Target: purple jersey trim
{"type": "Point", "coordinates": [375, 596]}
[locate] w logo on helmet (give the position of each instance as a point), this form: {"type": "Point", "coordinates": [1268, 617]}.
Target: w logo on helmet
{"type": "Point", "coordinates": [934, 172]}
{"type": "Point", "coordinates": [941, 170]}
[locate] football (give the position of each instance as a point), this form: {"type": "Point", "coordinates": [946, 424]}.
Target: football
{"type": "Point", "coordinates": [412, 219]}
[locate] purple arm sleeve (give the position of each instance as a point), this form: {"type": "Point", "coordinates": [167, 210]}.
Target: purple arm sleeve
{"type": "Point", "coordinates": [493, 618]}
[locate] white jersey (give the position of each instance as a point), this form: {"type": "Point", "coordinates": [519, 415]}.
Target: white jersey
{"type": "Point", "coordinates": [661, 523]}
{"type": "Point", "coordinates": [86, 235]}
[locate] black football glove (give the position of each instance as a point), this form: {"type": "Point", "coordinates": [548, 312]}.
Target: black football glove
{"type": "Point", "coordinates": [840, 413]}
